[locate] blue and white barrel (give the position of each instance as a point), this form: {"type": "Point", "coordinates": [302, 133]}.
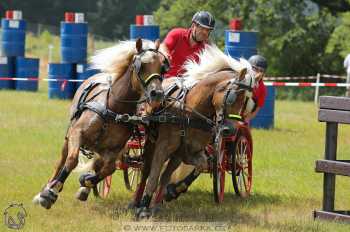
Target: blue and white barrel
{"type": "Point", "coordinates": [265, 117]}
{"type": "Point", "coordinates": [240, 44]}
{"type": "Point", "coordinates": [150, 32]}
{"type": "Point", "coordinates": [74, 37]}
{"type": "Point", "coordinates": [84, 71]}
{"type": "Point", "coordinates": [27, 68]}
{"type": "Point", "coordinates": [7, 68]}
{"type": "Point", "coordinates": [60, 87]}
{"type": "Point", "coordinates": [13, 37]}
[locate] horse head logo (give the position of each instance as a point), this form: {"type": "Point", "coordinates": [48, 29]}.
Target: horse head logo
{"type": "Point", "coordinates": [14, 216]}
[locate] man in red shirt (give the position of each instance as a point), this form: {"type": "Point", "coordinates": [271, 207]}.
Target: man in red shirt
{"type": "Point", "coordinates": [259, 65]}
{"type": "Point", "coordinates": [181, 44]}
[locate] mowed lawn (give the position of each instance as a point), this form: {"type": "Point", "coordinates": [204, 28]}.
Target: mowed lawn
{"type": "Point", "coordinates": [286, 188]}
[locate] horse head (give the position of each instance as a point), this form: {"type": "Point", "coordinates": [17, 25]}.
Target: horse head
{"type": "Point", "coordinates": [149, 64]}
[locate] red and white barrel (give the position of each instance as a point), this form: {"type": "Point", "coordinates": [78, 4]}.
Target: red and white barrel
{"type": "Point", "coordinates": [236, 24]}
{"type": "Point", "coordinates": [148, 20]}
{"type": "Point", "coordinates": [79, 17]}
{"type": "Point", "coordinates": [139, 20]}
{"type": "Point", "coordinates": [9, 14]}
{"type": "Point", "coordinates": [69, 17]}
{"type": "Point", "coordinates": [17, 15]}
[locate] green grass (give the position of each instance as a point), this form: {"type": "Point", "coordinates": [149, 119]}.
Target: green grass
{"type": "Point", "coordinates": [285, 187]}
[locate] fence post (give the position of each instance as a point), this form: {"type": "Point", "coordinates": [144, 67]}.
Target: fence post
{"type": "Point", "coordinates": [330, 154]}
{"type": "Point", "coordinates": [317, 88]}
{"type": "Point", "coordinates": [347, 94]}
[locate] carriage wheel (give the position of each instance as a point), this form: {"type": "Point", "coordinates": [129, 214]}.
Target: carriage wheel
{"type": "Point", "coordinates": [132, 157]}
{"type": "Point", "coordinates": [242, 165]}
{"type": "Point", "coordinates": [132, 176]}
{"type": "Point", "coordinates": [103, 187]}
{"type": "Point", "coordinates": [219, 170]}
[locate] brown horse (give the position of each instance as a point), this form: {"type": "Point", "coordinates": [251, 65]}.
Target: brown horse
{"type": "Point", "coordinates": [216, 78]}
{"type": "Point", "coordinates": [129, 71]}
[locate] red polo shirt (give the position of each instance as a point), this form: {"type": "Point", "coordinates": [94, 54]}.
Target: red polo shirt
{"type": "Point", "coordinates": [178, 43]}
{"type": "Point", "coordinates": [259, 93]}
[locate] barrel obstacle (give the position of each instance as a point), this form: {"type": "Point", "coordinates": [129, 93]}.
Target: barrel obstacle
{"type": "Point", "coordinates": [144, 28]}
{"type": "Point", "coordinates": [333, 110]}
{"type": "Point", "coordinates": [73, 66]}
{"type": "Point", "coordinates": [13, 63]}
{"type": "Point", "coordinates": [243, 44]}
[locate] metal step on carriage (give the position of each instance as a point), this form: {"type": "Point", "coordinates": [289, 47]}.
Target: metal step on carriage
{"type": "Point", "coordinates": [232, 155]}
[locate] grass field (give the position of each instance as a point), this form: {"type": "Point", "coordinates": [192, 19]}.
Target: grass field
{"type": "Point", "coordinates": [285, 187]}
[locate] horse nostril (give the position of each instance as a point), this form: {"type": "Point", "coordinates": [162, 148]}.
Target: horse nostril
{"type": "Point", "coordinates": [160, 93]}
{"type": "Point", "coordinates": [153, 93]}
{"type": "Point", "coordinates": [156, 94]}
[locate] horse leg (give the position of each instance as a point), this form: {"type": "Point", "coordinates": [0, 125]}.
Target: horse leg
{"type": "Point", "coordinates": [89, 180]}
{"type": "Point", "coordinates": [147, 158]}
{"type": "Point", "coordinates": [173, 164]}
{"type": "Point", "coordinates": [175, 189]}
{"type": "Point", "coordinates": [49, 194]}
{"type": "Point", "coordinates": [198, 159]}
{"type": "Point", "coordinates": [60, 163]}
{"type": "Point", "coordinates": [158, 161]}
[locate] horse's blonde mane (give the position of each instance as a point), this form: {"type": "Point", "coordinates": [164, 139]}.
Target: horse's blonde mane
{"type": "Point", "coordinates": [212, 59]}
{"type": "Point", "coordinates": [115, 60]}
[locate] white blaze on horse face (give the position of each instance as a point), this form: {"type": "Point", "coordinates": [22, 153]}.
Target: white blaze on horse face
{"type": "Point", "coordinates": [148, 57]}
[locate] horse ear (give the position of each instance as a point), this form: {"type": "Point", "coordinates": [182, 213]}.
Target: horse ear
{"type": "Point", "coordinates": [242, 74]}
{"type": "Point", "coordinates": [139, 45]}
{"type": "Point", "coordinates": [157, 43]}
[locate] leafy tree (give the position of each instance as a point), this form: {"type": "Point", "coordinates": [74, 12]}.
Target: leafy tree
{"type": "Point", "coordinates": [293, 34]}
{"type": "Point", "coordinates": [46, 11]}
{"type": "Point", "coordinates": [112, 18]}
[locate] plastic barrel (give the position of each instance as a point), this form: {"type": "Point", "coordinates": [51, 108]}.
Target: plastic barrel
{"type": "Point", "coordinates": [150, 32]}
{"type": "Point", "coordinates": [84, 72]}
{"type": "Point", "coordinates": [7, 68]}
{"type": "Point", "coordinates": [13, 37]}
{"type": "Point", "coordinates": [27, 68]}
{"type": "Point", "coordinates": [265, 117]}
{"type": "Point", "coordinates": [74, 42]}
{"type": "Point", "coordinates": [61, 89]}
{"type": "Point", "coordinates": [241, 43]}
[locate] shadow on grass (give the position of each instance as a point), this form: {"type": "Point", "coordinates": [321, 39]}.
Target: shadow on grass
{"type": "Point", "coordinates": [195, 205]}
{"type": "Point", "coordinates": [199, 206]}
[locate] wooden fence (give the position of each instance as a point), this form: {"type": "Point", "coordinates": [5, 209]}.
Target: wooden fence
{"type": "Point", "coordinates": [333, 110]}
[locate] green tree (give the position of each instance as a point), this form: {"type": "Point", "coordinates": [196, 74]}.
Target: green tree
{"type": "Point", "coordinates": [112, 18]}
{"type": "Point", "coordinates": [293, 34]}
{"type": "Point", "coordinates": [339, 40]}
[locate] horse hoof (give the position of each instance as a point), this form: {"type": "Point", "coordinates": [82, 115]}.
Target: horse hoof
{"type": "Point", "coordinates": [46, 198]}
{"type": "Point", "coordinates": [44, 202]}
{"type": "Point", "coordinates": [155, 210]}
{"type": "Point", "coordinates": [83, 193]}
{"type": "Point", "coordinates": [131, 206]}
{"type": "Point", "coordinates": [36, 199]}
{"type": "Point", "coordinates": [143, 213]}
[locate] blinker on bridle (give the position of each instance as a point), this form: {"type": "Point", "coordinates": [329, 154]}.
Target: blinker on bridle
{"type": "Point", "coordinates": [137, 63]}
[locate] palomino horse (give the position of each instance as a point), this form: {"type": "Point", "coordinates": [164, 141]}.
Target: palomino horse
{"type": "Point", "coordinates": [216, 79]}
{"type": "Point", "coordinates": [129, 71]}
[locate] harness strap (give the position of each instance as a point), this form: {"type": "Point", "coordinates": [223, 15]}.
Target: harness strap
{"type": "Point", "coordinates": [150, 77]}
{"type": "Point", "coordinates": [235, 117]}
{"type": "Point", "coordinates": [196, 123]}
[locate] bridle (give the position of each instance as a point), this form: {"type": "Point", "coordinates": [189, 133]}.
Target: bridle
{"type": "Point", "coordinates": [137, 63]}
